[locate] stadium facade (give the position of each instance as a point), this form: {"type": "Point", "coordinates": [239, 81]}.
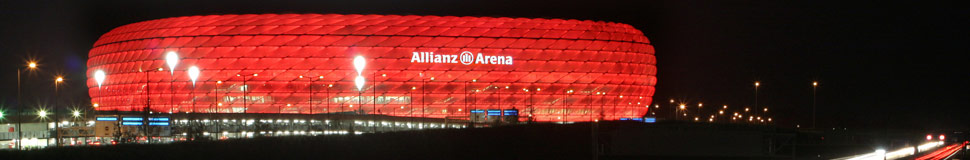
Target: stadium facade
{"type": "Point", "coordinates": [413, 66]}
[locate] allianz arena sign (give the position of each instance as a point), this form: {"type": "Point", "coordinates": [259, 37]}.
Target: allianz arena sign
{"type": "Point", "coordinates": [466, 58]}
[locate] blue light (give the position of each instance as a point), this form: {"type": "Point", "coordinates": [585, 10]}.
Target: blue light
{"type": "Point", "coordinates": [107, 118]}
{"type": "Point", "coordinates": [511, 112]}
{"type": "Point", "coordinates": [132, 119]}
{"type": "Point", "coordinates": [637, 119]}
{"type": "Point", "coordinates": [157, 119]}
{"type": "Point", "coordinates": [650, 120]}
{"type": "Point", "coordinates": [494, 112]}
{"type": "Point", "coordinates": [624, 119]}
{"type": "Point", "coordinates": [158, 123]}
{"type": "Point", "coordinates": [131, 123]}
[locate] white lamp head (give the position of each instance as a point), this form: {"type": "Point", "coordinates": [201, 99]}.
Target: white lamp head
{"type": "Point", "coordinates": [359, 81]}
{"type": "Point", "coordinates": [172, 59]}
{"type": "Point", "coordinates": [99, 77]}
{"type": "Point", "coordinates": [194, 74]}
{"type": "Point", "coordinates": [359, 64]}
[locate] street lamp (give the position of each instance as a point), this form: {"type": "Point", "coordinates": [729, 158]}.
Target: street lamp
{"type": "Point", "coordinates": [359, 64]}
{"type": "Point", "coordinates": [57, 126]}
{"type": "Point", "coordinates": [172, 59]}
{"type": "Point", "coordinates": [99, 76]}
{"type": "Point", "coordinates": [30, 66]}
{"type": "Point", "coordinates": [814, 91]}
{"type": "Point", "coordinates": [245, 90]}
{"type": "Point", "coordinates": [756, 85]}
{"type": "Point", "coordinates": [193, 75]}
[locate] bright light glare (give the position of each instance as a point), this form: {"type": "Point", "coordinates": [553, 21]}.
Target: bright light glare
{"type": "Point", "coordinates": [359, 64]}
{"type": "Point", "coordinates": [99, 77]}
{"type": "Point", "coordinates": [896, 154]}
{"type": "Point", "coordinates": [76, 114]}
{"type": "Point", "coordinates": [172, 59]}
{"type": "Point", "coordinates": [32, 64]}
{"type": "Point", "coordinates": [194, 74]}
{"type": "Point", "coordinates": [359, 81]}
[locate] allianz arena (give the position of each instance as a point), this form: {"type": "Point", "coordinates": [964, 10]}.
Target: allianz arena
{"type": "Point", "coordinates": [413, 66]}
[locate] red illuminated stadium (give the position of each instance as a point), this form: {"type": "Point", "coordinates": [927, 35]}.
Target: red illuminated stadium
{"type": "Point", "coordinates": [416, 66]}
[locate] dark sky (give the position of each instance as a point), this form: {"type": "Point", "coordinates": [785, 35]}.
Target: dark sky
{"type": "Point", "coordinates": [880, 65]}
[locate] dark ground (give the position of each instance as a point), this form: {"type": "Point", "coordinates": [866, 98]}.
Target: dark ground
{"type": "Point", "coordinates": [617, 140]}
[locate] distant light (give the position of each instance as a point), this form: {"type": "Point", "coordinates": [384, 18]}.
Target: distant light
{"type": "Point", "coordinates": [756, 84]}
{"type": "Point", "coordinates": [814, 83]}
{"type": "Point", "coordinates": [42, 113]}
{"type": "Point", "coordinates": [942, 137]}
{"type": "Point", "coordinates": [96, 105]}
{"type": "Point", "coordinates": [76, 114]}
{"type": "Point", "coordinates": [59, 79]}
{"type": "Point", "coordinates": [32, 64]}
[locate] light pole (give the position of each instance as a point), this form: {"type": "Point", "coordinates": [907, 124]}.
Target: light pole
{"type": "Point", "coordinates": [218, 105]}
{"type": "Point", "coordinates": [193, 75]}
{"type": "Point", "coordinates": [814, 91]}
{"type": "Point", "coordinates": [30, 66]}
{"type": "Point", "coordinates": [57, 124]}
{"type": "Point", "coordinates": [245, 89]}
{"type": "Point", "coordinates": [564, 113]}
{"type": "Point", "coordinates": [359, 64]}
{"type": "Point", "coordinates": [172, 59]}
{"type": "Point", "coordinates": [99, 76]}
{"type": "Point", "coordinates": [311, 93]}
{"type": "Point", "coordinates": [42, 114]}
{"type": "Point", "coordinates": [756, 85]}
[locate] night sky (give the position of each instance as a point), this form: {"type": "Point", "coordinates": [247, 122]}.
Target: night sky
{"type": "Point", "coordinates": [879, 65]}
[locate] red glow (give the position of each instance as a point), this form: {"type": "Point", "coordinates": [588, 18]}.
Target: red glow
{"type": "Point", "coordinates": [552, 56]}
{"type": "Point", "coordinates": [942, 153]}
{"type": "Point", "coordinates": [929, 137]}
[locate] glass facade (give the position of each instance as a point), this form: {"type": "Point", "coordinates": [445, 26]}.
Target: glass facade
{"type": "Point", "coordinates": [419, 66]}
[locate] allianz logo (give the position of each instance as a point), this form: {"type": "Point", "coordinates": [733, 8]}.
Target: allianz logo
{"type": "Point", "coordinates": [466, 58]}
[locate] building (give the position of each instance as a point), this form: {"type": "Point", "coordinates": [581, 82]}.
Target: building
{"type": "Point", "coordinates": [413, 66]}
